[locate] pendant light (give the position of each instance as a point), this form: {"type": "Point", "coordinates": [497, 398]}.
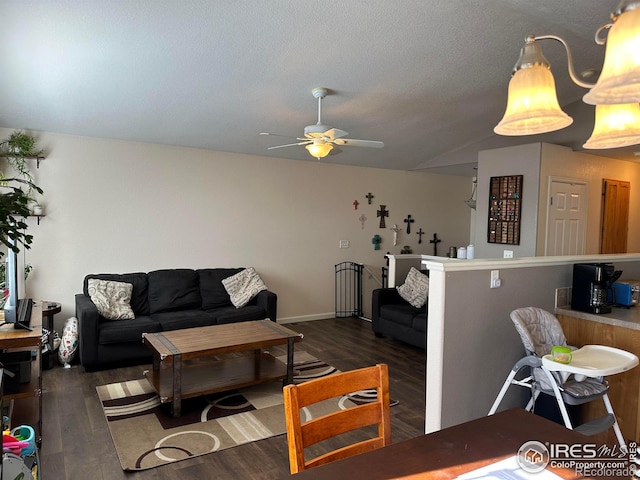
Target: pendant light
{"type": "Point", "coordinates": [619, 81]}
{"type": "Point", "coordinates": [532, 105]}
{"type": "Point", "coordinates": [615, 126]}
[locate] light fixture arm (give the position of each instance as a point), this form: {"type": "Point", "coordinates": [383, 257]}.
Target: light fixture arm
{"type": "Point", "coordinates": [572, 73]}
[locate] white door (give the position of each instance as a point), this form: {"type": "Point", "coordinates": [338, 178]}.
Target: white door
{"type": "Point", "coordinates": [566, 217]}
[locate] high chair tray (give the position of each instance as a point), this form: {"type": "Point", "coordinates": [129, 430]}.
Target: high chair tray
{"type": "Point", "coordinates": [594, 361]}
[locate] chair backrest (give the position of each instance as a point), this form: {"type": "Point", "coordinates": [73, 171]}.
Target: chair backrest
{"type": "Point", "coordinates": [302, 434]}
{"type": "Point", "coordinates": [539, 330]}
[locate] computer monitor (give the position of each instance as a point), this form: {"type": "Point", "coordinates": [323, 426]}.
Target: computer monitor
{"type": "Point", "coordinates": [11, 279]}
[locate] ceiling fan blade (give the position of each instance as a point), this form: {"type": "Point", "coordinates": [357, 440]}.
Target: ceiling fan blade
{"type": "Point", "coordinates": [335, 151]}
{"type": "Point", "coordinates": [291, 144]}
{"type": "Point", "coordinates": [267, 134]}
{"type": "Point", "coordinates": [335, 133]}
{"type": "Point", "coordinates": [352, 142]}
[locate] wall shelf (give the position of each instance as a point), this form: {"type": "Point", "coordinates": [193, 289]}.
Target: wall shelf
{"type": "Point", "coordinates": [38, 217]}
{"type": "Point", "coordinates": [37, 158]}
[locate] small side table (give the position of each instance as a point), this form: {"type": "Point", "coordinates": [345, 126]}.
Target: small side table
{"type": "Point", "coordinates": [49, 309]}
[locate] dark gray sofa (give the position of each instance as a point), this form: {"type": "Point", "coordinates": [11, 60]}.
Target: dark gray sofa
{"type": "Point", "coordinates": [394, 317]}
{"type": "Point", "coordinates": [161, 300]}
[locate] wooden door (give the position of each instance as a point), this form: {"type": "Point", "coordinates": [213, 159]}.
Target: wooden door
{"type": "Point", "coordinates": [566, 217]}
{"type": "Point", "coordinates": [615, 216]}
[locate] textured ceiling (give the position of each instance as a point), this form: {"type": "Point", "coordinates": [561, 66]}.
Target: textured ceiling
{"type": "Point", "coordinates": [426, 77]}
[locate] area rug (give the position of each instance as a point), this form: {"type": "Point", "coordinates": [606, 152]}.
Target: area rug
{"type": "Point", "coordinates": [145, 434]}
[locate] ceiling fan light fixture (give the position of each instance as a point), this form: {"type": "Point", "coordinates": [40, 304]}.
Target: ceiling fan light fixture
{"type": "Point", "coordinates": [532, 104]}
{"type": "Point", "coordinates": [615, 126]}
{"type": "Point", "coordinates": [319, 150]}
{"type": "Point", "coordinates": [620, 78]}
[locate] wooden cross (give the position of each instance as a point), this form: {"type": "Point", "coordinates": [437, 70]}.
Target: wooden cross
{"type": "Point", "coordinates": [369, 197]}
{"type": "Point", "coordinates": [420, 233]}
{"type": "Point", "coordinates": [355, 204]}
{"type": "Point", "coordinates": [409, 221]}
{"type": "Point", "coordinates": [376, 240]}
{"type": "Point", "coordinates": [435, 242]}
{"type": "Point", "coordinates": [383, 212]}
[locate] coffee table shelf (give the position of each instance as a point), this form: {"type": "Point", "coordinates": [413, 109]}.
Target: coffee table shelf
{"type": "Point", "coordinates": [206, 377]}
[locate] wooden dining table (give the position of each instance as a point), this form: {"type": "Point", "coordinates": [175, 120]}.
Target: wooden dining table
{"type": "Point", "coordinates": [453, 451]}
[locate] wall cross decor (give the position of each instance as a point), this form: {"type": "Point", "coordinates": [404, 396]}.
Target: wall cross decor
{"type": "Point", "coordinates": [395, 229]}
{"type": "Point", "coordinates": [435, 242]}
{"type": "Point", "coordinates": [362, 218]}
{"type": "Point", "coordinates": [376, 240]}
{"type": "Point", "coordinates": [383, 212]}
{"type": "Point", "coordinates": [369, 196]}
{"type": "Point", "coordinates": [409, 221]}
{"type": "Point", "coordinates": [420, 233]}
{"type": "Point", "coordinates": [355, 204]}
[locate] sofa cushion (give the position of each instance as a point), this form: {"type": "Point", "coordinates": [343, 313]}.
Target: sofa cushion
{"type": "Point", "coordinates": [183, 319]}
{"type": "Point", "coordinates": [415, 288]}
{"type": "Point", "coordinates": [139, 294]}
{"type": "Point", "coordinates": [231, 314]}
{"type": "Point", "coordinates": [174, 289]}
{"type": "Point", "coordinates": [402, 314]}
{"type": "Point", "coordinates": [243, 286]}
{"type": "Point", "coordinates": [112, 299]}
{"type": "Point", "coordinates": [212, 291]}
{"type": "Point", "coordinates": [129, 331]}
{"type": "Point", "coordinates": [420, 322]}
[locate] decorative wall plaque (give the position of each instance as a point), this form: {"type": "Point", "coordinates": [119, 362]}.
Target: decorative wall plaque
{"type": "Point", "coordinates": [505, 206]}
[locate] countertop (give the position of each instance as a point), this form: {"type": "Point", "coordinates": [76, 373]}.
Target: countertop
{"type": "Point", "coordinates": [619, 316]}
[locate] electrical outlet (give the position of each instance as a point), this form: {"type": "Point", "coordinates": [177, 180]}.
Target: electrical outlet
{"type": "Point", "coordinates": [344, 243]}
{"type": "Point", "coordinates": [495, 279]}
{"type": "Point", "coordinates": [508, 254]}
{"type": "Point", "coordinates": [563, 297]}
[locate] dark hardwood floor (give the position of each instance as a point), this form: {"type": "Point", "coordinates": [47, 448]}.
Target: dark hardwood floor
{"type": "Point", "coordinates": [76, 442]}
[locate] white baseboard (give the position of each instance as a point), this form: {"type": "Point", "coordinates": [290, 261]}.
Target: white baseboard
{"type": "Point", "coordinates": [308, 318]}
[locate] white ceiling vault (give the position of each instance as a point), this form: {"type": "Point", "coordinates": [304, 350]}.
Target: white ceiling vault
{"type": "Point", "coordinates": [427, 77]}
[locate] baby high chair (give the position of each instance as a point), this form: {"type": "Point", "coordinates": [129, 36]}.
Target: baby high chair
{"type": "Point", "coordinates": [579, 381]}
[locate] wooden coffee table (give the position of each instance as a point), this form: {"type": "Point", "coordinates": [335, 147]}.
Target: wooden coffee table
{"type": "Point", "coordinates": [186, 362]}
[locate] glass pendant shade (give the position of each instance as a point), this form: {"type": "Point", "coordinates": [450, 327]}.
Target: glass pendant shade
{"type": "Point", "coordinates": [532, 104]}
{"type": "Point", "coordinates": [619, 81]}
{"type": "Point", "coordinates": [319, 150]}
{"type": "Point", "coordinates": [615, 126]}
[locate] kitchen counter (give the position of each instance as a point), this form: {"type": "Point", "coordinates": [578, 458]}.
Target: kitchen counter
{"type": "Point", "coordinates": [619, 316]}
{"type": "Point", "coordinates": [619, 329]}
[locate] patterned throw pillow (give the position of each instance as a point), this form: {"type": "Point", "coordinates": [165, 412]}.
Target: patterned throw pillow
{"type": "Point", "coordinates": [243, 286]}
{"type": "Point", "coordinates": [69, 341]}
{"type": "Point", "coordinates": [415, 288]}
{"type": "Point", "coordinates": [113, 299]}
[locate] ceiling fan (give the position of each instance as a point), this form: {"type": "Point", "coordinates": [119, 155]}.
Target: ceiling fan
{"type": "Point", "coordinates": [320, 139]}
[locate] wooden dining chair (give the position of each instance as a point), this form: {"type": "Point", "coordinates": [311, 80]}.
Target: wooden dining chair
{"type": "Point", "coordinates": [303, 434]}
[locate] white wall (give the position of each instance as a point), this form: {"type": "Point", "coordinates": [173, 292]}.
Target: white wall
{"type": "Point", "coordinates": [115, 206]}
{"type": "Point", "coordinates": [537, 162]}
{"type": "Point", "coordinates": [521, 160]}
{"type": "Point", "coordinates": [560, 161]}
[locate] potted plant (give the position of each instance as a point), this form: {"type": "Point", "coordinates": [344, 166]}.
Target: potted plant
{"type": "Point", "coordinates": [16, 190]}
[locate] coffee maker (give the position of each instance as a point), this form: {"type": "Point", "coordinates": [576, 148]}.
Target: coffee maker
{"type": "Point", "coordinates": [591, 285]}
